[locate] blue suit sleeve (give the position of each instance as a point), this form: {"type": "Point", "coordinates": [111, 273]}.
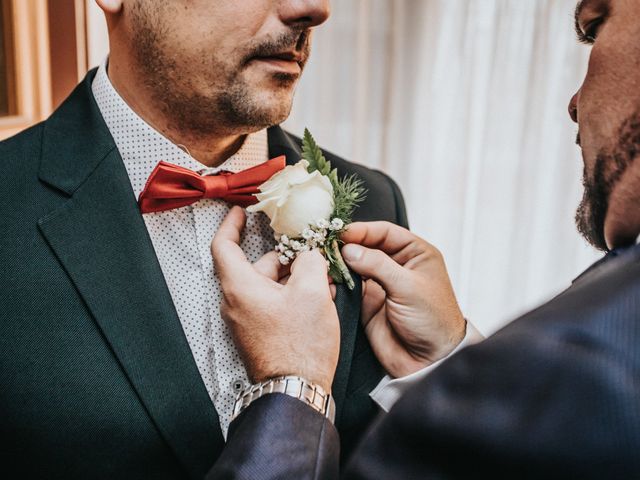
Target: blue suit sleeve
{"type": "Point", "coordinates": [279, 437]}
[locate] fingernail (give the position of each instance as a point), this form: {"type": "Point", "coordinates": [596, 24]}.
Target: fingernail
{"type": "Point", "coordinates": [352, 252]}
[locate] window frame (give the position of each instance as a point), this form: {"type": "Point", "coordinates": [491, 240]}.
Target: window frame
{"type": "Point", "coordinates": [30, 63]}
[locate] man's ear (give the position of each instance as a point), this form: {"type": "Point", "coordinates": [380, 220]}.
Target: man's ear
{"type": "Point", "coordinates": [110, 6]}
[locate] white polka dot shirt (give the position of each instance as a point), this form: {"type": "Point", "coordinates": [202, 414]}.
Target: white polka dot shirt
{"type": "Point", "coordinates": [182, 238]}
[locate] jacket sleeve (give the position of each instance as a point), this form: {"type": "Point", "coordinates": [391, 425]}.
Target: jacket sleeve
{"type": "Point", "coordinates": [522, 404]}
{"type": "Point", "coordinates": [401, 209]}
{"type": "Point", "coordinates": [279, 437]}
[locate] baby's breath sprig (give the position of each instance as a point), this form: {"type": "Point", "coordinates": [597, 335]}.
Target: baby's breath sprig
{"type": "Point", "coordinates": [315, 236]}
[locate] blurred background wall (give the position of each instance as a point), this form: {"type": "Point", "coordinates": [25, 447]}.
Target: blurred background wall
{"type": "Point", "coordinates": [463, 102]}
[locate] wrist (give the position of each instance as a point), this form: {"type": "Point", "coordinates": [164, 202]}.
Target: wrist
{"type": "Point", "coordinates": [321, 381]}
{"type": "Point", "coordinates": [439, 348]}
{"type": "Point", "coordinates": [307, 392]}
{"type": "Point", "coordinates": [452, 342]}
{"type": "Point", "coordinates": [425, 351]}
{"type": "Point", "coordinates": [320, 378]}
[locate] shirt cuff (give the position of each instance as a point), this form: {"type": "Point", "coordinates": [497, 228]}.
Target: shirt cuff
{"type": "Point", "coordinates": [389, 390]}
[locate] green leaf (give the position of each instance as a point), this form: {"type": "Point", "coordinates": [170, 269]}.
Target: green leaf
{"type": "Point", "coordinates": [348, 193]}
{"type": "Point", "coordinates": [333, 177]}
{"type": "Point", "coordinates": [312, 154]}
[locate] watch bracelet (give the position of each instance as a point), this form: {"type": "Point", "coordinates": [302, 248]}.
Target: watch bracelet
{"type": "Point", "coordinates": [297, 387]}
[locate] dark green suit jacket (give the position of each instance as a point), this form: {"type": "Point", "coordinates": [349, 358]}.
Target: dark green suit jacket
{"type": "Point", "coordinates": [96, 376]}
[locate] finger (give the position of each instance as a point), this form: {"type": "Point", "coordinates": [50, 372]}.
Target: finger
{"type": "Point", "coordinates": [375, 264]}
{"type": "Point", "coordinates": [381, 337]}
{"type": "Point", "coordinates": [309, 269]}
{"type": "Point", "coordinates": [388, 348]}
{"type": "Point", "coordinates": [398, 242]}
{"type": "Point", "coordinates": [270, 267]}
{"type": "Point", "coordinates": [228, 257]}
{"type": "Point", "coordinates": [232, 226]}
{"type": "Point", "coordinates": [373, 298]}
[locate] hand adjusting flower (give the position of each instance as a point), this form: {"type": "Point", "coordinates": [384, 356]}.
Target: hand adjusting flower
{"type": "Point", "coordinates": [309, 207]}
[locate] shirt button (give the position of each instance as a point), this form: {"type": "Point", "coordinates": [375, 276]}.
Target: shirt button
{"type": "Point", "coordinates": [237, 385]}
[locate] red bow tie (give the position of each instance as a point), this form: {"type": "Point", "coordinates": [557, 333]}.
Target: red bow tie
{"type": "Point", "coordinates": [171, 186]}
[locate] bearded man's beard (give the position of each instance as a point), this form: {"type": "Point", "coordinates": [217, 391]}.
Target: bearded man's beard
{"type": "Point", "coordinates": [228, 104]}
{"type": "Point", "coordinates": [609, 167]}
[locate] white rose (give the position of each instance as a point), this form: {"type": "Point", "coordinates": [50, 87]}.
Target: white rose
{"type": "Point", "coordinates": [294, 199]}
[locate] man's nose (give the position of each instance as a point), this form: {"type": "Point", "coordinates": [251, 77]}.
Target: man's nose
{"type": "Point", "coordinates": [308, 13]}
{"type": "Point", "coordinates": [573, 107]}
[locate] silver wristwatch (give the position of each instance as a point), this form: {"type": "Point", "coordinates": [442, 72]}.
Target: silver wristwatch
{"type": "Point", "coordinates": [309, 393]}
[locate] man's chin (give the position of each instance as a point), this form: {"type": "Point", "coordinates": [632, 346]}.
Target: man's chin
{"type": "Point", "coordinates": [250, 107]}
{"type": "Point", "coordinates": [268, 116]}
{"type": "Point", "coordinates": [607, 169]}
{"type": "Point", "coordinates": [273, 105]}
{"type": "Point", "coordinates": [590, 221]}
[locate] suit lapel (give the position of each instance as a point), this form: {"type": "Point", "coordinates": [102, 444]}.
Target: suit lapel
{"type": "Point", "coordinates": [347, 302]}
{"type": "Point", "coordinates": [100, 238]}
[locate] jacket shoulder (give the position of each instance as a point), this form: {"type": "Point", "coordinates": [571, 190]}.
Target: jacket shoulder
{"type": "Point", "coordinates": [20, 155]}
{"type": "Point", "coordinates": [551, 394]}
{"type": "Point", "coordinates": [598, 314]}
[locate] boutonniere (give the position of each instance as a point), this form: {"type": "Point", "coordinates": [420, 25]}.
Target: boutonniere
{"type": "Point", "coordinates": [309, 207]}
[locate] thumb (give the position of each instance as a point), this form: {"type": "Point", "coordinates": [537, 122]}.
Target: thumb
{"type": "Point", "coordinates": [375, 264]}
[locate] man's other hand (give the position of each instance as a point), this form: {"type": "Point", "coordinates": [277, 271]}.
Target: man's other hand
{"type": "Point", "coordinates": [409, 310]}
{"type": "Point", "coordinates": [283, 323]}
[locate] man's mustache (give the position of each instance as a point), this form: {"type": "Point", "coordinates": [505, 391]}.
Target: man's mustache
{"type": "Point", "coordinates": [292, 41]}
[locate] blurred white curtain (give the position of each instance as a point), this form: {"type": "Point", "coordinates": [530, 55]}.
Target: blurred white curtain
{"type": "Point", "coordinates": [97, 34]}
{"type": "Point", "coordinates": [464, 103]}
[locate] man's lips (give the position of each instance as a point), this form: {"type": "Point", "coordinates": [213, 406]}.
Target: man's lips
{"type": "Point", "coordinates": [289, 62]}
{"type": "Point", "coordinates": [289, 56]}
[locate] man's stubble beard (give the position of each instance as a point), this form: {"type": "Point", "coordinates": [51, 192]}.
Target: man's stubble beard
{"type": "Point", "coordinates": [228, 107]}
{"type": "Point", "coordinates": [609, 167]}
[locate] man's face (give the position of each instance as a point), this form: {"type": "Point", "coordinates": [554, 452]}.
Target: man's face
{"type": "Point", "coordinates": [607, 107]}
{"type": "Point", "coordinates": [227, 66]}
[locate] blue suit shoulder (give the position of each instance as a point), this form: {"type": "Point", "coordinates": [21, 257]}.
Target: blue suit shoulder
{"type": "Point", "coordinates": [552, 395]}
{"type": "Point", "coordinates": [598, 312]}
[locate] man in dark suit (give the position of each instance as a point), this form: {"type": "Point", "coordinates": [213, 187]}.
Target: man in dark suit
{"type": "Point", "coordinates": [556, 394]}
{"type": "Point", "coordinates": [114, 360]}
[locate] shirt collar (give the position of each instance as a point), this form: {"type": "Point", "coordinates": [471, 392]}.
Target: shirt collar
{"type": "Point", "coordinates": [141, 146]}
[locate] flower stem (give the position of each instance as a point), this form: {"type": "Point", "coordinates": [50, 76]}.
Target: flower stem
{"type": "Point", "coordinates": [341, 266]}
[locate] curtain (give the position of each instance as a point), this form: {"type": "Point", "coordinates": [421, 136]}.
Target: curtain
{"type": "Point", "coordinates": [464, 103]}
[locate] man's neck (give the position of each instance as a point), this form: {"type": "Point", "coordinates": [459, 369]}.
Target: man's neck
{"type": "Point", "coordinates": [211, 150]}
